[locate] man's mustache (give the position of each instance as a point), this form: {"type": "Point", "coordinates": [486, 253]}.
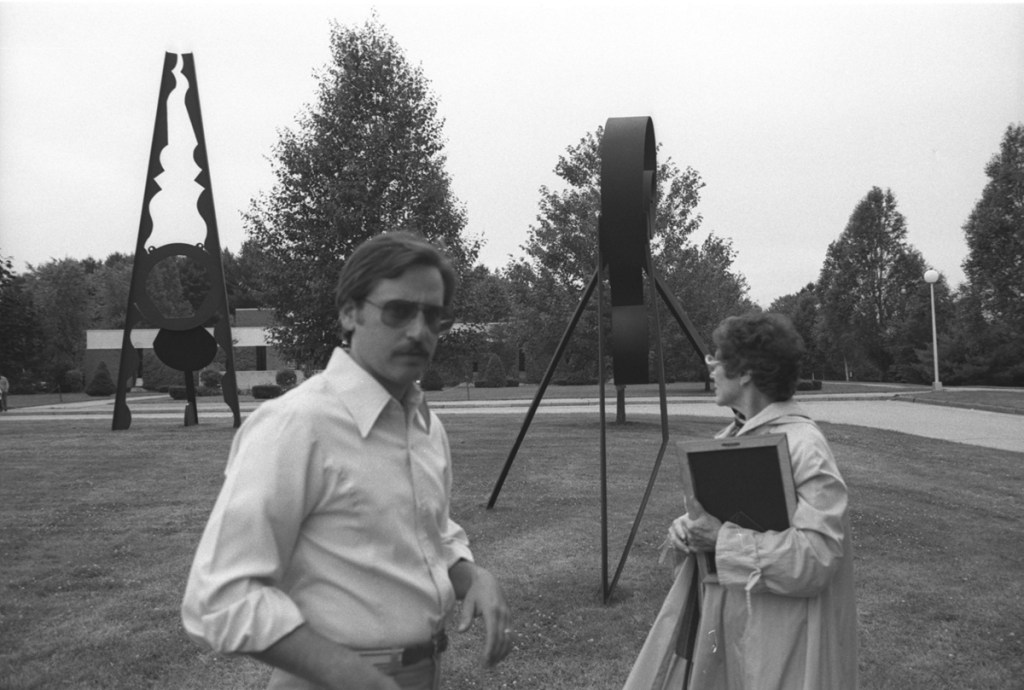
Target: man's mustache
{"type": "Point", "coordinates": [416, 350]}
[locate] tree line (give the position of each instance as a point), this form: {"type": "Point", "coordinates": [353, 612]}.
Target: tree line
{"type": "Point", "coordinates": [368, 156]}
{"type": "Point", "coordinates": [868, 314]}
{"type": "Point", "coordinates": [47, 309]}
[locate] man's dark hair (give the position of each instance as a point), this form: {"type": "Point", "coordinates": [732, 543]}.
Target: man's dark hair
{"type": "Point", "coordinates": [388, 256]}
{"type": "Point", "coordinates": [765, 345]}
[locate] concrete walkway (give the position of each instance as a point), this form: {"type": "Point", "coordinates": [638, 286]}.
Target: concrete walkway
{"type": "Point", "coordinates": [879, 411]}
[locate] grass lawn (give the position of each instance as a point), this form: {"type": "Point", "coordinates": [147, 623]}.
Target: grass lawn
{"type": "Point", "coordinates": [523, 392]}
{"type": "Point", "coordinates": [22, 400]}
{"type": "Point", "coordinates": [683, 388]}
{"type": "Point", "coordinates": [97, 531]}
{"type": "Point", "coordinates": [1010, 400]}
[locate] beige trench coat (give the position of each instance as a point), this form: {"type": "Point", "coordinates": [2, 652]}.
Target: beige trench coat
{"type": "Point", "coordinates": [783, 615]}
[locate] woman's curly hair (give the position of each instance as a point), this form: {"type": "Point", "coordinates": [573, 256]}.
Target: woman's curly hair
{"type": "Point", "coordinates": [765, 345]}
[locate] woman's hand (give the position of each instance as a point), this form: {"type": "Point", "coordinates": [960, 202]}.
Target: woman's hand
{"type": "Point", "coordinates": [695, 531]}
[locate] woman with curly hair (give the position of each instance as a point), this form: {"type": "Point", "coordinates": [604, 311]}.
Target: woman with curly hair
{"type": "Point", "coordinates": [782, 613]}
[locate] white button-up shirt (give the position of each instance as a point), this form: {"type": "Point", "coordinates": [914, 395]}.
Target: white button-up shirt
{"type": "Point", "coordinates": [334, 512]}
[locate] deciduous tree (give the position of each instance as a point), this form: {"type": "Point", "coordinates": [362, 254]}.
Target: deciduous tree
{"type": "Point", "coordinates": [60, 297]}
{"type": "Point", "coordinates": [804, 310]}
{"type": "Point", "coordinates": [109, 285]}
{"type": "Point", "coordinates": [995, 235]}
{"type": "Point", "coordinates": [241, 277]}
{"type": "Point", "coordinates": [484, 296]}
{"type": "Point", "coordinates": [21, 336]}
{"type": "Point", "coordinates": [980, 350]}
{"type": "Point", "coordinates": [866, 286]}
{"type": "Point", "coordinates": [562, 255]}
{"type": "Point", "coordinates": [366, 157]}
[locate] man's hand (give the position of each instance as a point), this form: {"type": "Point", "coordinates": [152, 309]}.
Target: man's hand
{"type": "Point", "coordinates": [481, 596]}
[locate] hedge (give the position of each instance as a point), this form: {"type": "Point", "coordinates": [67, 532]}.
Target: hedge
{"type": "Point", "coordinates": [266, 390]}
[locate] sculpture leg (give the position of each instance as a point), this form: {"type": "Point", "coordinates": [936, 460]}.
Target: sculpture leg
{"type": "Point", "coordinates": [191, 412]}
{"type": "Point", "coordinates": [543, 387]}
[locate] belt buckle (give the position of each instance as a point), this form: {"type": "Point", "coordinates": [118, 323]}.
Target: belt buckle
{"type": "Point", "coordinates": [429, 650]}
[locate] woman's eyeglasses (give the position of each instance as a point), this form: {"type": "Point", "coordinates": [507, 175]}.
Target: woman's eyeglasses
{"type": "Point", "coordinates": [711, 361]}
{"type": "Point", "coordinates": [399, 312]}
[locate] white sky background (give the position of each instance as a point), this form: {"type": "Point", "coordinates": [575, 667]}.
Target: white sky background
{"type": "Point", "coordinates": [790, 113]}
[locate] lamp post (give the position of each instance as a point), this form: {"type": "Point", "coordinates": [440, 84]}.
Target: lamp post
{"type": "Point", "coordinates": [930, 277]}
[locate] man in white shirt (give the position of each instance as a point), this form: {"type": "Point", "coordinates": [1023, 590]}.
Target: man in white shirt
{"type": "Point", "coordinates": [330, 554]}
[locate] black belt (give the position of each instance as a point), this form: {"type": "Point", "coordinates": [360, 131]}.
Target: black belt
{"type": "Point", "coordinates": [428, 650]}
{"type": "Point", "coordinates": [407, 656]}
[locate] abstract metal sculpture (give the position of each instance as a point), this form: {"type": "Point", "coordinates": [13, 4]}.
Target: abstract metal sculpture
{"type": "Point", "coordinates": [625, 230]}
{"type": "Point", "coordinates": [182, 343]}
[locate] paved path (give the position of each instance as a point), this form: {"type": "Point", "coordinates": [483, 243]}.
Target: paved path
{"type": "Point", "coordinates": [975, 427]}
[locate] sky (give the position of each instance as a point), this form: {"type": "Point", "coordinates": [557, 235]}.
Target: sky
{"type": "Point", "coordinates": [790, 113]}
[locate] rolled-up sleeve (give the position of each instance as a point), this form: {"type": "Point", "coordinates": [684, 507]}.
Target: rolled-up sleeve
{"type": "Point", "coordinates": [334, 514]}
{"type": "Point", "coordinates": [455, 545]}
{"type": "Point", "coordinates": [232, 601]}
{"type": "Point", "coordinates": [454, 541]}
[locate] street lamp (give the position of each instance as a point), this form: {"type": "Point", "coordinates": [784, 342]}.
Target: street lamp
{"type": "Point", "coordinates": [931, 276]}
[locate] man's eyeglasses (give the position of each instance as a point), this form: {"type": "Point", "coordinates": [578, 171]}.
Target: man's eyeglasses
{"type": "Point", "coordinates": [711, 361]}
{"type": "Point", "coordinates": [399, 312]}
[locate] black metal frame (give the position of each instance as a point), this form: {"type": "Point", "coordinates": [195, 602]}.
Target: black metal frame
{"type": "Point", "coordinates": [207, 255]}
{"type": "Point", "coordinates": [625, 227]}
{"type": "Point", "coordinates": [656, 286]}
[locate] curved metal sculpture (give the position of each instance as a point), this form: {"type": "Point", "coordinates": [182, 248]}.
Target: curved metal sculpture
{"type": "Point", "coordinates": [629, 164]}
{"type": "Point", "coordinates": [625, 229]}
{"type": "Point", "coordinates": [182, 343]}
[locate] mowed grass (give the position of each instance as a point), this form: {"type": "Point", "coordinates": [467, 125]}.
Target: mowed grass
{"type": "Point", "coordinates": [97, 531]}
{"type": "Point", "coordinates": [527, 391]}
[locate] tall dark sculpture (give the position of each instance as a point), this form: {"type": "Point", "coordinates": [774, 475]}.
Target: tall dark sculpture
{"type": "Point", "coordinates": [625, 228]}
{"type": "Point", "coordinates": [182, 343]}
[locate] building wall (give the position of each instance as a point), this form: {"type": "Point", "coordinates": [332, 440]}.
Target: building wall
{"type": "Point", "coordinates": [255, 359]}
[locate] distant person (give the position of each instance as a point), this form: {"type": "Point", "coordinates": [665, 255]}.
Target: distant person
{"type": "Point", "coordinates": [782, 614]}
{"type": "Point", "coordinates": [5, 388]}
{"type": "Point", "coordinates": [330, 553]}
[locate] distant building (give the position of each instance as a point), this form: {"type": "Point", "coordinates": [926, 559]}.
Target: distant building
{"type": "Point", "coordinates": [256, 361]}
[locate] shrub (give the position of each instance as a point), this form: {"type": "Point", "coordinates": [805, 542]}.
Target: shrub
{"type": "Point", "coordinates": [210, 378]}
{"type": "Point", "coordinates": [266, 390]}
{"type": "Point", "coordinates": [73, 381]}
{"type": "Point", "coordinates": [102, 384]}
{"type": "Point", "coordinates": [808, 385]}
{"type": "Point", "coordinates": [432, 381]}
{"type": "Point", "coordinates": [286, 378]}
{"type": "Point", "coordinates": [493, 375]}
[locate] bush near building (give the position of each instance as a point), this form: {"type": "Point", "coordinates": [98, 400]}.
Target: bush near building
{"type": "Point", "coordinates": [432, 381]}
{"type": "Point", "coordinates": [73, 381]}
{"type": "Point", "coordinates": [266, 391]}
{"type": "Point", "coordinates": [102, 383]}
{"type": "Point", "coordinates": [286, 378]}
{"type": "Point", "coordinates": [210, 378]}
{"type": "Point", "coordinates": [493, 375]}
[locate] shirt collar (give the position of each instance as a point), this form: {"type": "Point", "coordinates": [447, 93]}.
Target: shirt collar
{"type": "Point", "coordinates": [416, 402]}
{"type": "Point", "coordinates": [772, 413]}
{"type": "Point", "coordinates": [363, 396]}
